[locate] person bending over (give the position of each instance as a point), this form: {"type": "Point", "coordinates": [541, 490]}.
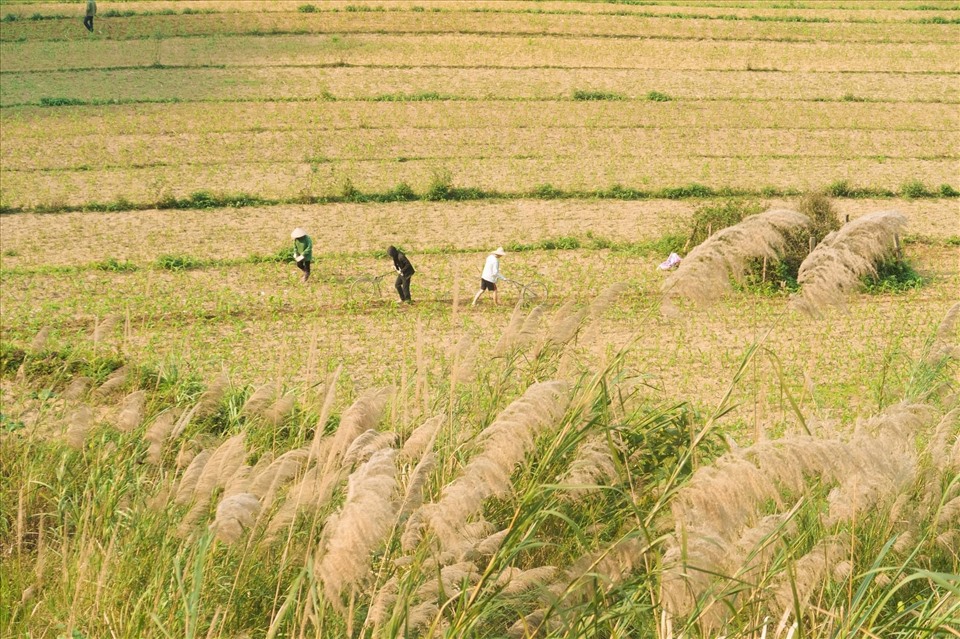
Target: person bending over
{"type": "Point", "coordinates": [302, 252]}
{"type": "Point", "coordinates": [490, 276]}
{"type": "Point", "coordinates": [405, 272]}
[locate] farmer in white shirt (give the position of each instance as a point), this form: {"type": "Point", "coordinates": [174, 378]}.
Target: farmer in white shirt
{"type": "Point", "coordinates": [490, 276]}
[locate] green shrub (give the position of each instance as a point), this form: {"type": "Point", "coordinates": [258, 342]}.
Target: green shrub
{"type": "Point", "coordinates": [178, 262]}
{"type": "Point", "coordinates": [596, 95]}
{"type": "Point", "coordinates": [55, 102]}
{"type": "Point", "coordinates": [840, 188]}
{"type": "Point", "coordinates": [307, 8]}
{"type": "Point", "coordinates": [914, 189]}
{"type": "Point", "coordinates": [10, 17]}
{"type": "Point", "coordinates": [710, 218]}
{"type": "Point", "coordinates": [546, 192]}
{"type": "Point", "coordinates": [893, 276]}
{"type": "Point", "coordinates": [656, 96]}
{"type": "Point", "coordinates": [115, 265]}
{"type": "Point", "coordinates": [689, 191]}
{"type": "Point", "coordinates": [946, 190]}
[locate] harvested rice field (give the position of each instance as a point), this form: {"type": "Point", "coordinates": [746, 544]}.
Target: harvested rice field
{"type": "Point", "coordinates": [762, 442]}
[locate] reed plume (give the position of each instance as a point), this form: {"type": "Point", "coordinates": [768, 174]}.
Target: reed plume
{"type": "Point", "coordinates": [260, 399]}
{"type": "Point", "coordinates": [362, 415]}
{"type": "Point", "coordinates": [313, 491]}
{"type": "Point", "coordinates": [705, 274]}
{"type": "Point", "coordinates": [188, 481]}
{"type": "Point", "coordinates": [520, 332]}
{"type": "Point", "coordinates": [39, 341]}
{"type": "Point", "coordinates": [281, 470]}
{"type": "Point", "coordinates": [382, 603]}
{"type": "Point", "coordinates": [210, 400]}
{"type": "Point", "coordinates": [78, 425]}
{"type": "Point", "coordinates": [115, 381]}
{"type": "Point", "coordinates": [415, 486]}
{"type": "Point", "coordinates": [421, 438]}
{"type": "Point", "coordinates": [464, 361]}
{"type": "Point", "coordinates": [223, 463]}
{"type": "Point", "coordinates": [835, 267]}
{"type": "Point", "coordinates": [131, 411]}
{"type": "Point", "coordinates": [366, 444]}
{"type": "Point", "coordinates": [607, 298]}
{"type": "Point", "coordinates": [77, 388]}
{"type": "Point", "coordinates": [235, 514]}
{"type": "Point", "coordinates": [353, 534]}
{"type": "Point", "coordinates": [279, 410]}
{"type": "Point", "coordinates": [593, 465]}
{"type": "Point", "coordinates": [504, 444]}
{"type": "Point", "coordinates": [515, 581]}
{"type": "Point", "coordinates": [104, 328]}
{"type": "Point", "coordinates": [157, 434]}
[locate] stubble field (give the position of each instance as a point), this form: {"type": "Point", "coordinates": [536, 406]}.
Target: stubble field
{"type": "Point", "coordinates": [252, 457]}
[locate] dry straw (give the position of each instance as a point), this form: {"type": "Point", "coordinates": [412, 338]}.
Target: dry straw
{"type": "Point", "coordinates": [835, 267]}
{"type": "Point", "coordinates": [705, 274]}
{"type": "Point", "coordinates": [353, 534]}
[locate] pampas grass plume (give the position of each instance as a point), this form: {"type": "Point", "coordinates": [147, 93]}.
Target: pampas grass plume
{"type": "Point", "coordinates": [131, 411]}
{"type": "Point", "coordinates": [705, 274]}
{"type": "Point", "coordinates": [78, 425]}
{"type": "Point", "coordinates": [157, 434]}
{"type": "Point", "coordinates": [235, 514]}
{"type": "Point", "coordinates": [834, 268]}
{"type": "Point", "coordinates": [210, 399]}
{"type": "Point", "coordinates": [40, 340]}
{"type": "Point", "coordinates": [421, 438]}
{"type": "Point", "coordinates": [362, 524]}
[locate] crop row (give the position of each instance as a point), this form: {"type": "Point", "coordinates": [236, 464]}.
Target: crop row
{"type": "Point", "coordinates": [420, 84]}
{"type": "Point", "coordinates": [462, 22]}
{"type": "Point", "coordinates": [668, 146]}
{"type": "Point", "coordinates": [501, 51]}
{"type": "Point", "coordinates": [38, 123]}
{"type": "Point", "coordinates": [864, 12]}
{"type": "Point", "coordinates": [303, 180]}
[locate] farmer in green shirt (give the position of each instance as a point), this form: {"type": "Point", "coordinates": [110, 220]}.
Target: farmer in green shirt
{"type": "Point", "coordinates": [302, 251]}
{"type": "Point", "coordinates": [91, 11]}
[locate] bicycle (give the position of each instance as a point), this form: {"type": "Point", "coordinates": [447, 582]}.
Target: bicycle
{"type": "Point", "coordinates": [530, 293]}
{"type": "Point", "coordinates": [367, 285]}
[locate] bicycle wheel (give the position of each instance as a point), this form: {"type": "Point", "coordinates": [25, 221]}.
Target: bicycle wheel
{"type": "Point", "coordinates": [534, 293]}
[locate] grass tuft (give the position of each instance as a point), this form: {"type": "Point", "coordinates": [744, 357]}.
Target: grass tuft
{"type": "Point", "coordinates": [586, 96]}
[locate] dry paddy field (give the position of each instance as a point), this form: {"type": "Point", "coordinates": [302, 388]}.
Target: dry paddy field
{"type": "Point", "coordinates": [195, 444]}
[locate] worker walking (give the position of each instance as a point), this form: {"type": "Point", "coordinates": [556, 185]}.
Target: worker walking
{"type": "Point", "coordinates": [490, 276]}
{"type": "Point", "coordinates": [91, 11]}
{"type": "Point", "coordinates": [302, 251]}
{"type": "Point", "coordinates": [405, 272]}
